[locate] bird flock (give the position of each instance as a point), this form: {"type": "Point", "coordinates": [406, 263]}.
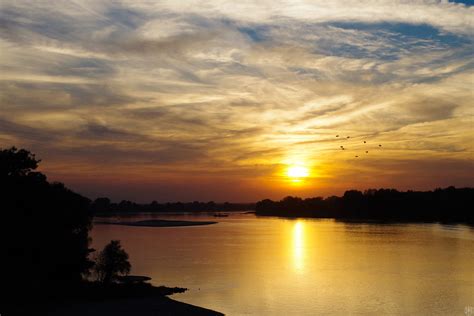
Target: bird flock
{"type": "Point", "coordinates": [365, 142]}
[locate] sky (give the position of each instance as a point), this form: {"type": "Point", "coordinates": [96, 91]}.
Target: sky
{"type": "Point", "coordinates": [240, 100]}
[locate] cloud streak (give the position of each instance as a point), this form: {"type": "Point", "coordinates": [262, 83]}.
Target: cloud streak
{"type": "Point", "coordinates": [219, 90]}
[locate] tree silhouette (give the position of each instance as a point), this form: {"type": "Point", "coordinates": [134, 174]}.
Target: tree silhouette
{"type": "Point", "coordinates": [45, 228]}
{"type": "Point", "coordinates": [17, 163]}
{"type": "Point", "coordinates": [111, 262]}
{"type": "Point", "coordinates": [449, 205]}
{"type": "Point", "coordinates": [101, 204]}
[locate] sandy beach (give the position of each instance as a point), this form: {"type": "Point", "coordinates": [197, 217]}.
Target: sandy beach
{"type": "Point", "coordinates": [157, 223]}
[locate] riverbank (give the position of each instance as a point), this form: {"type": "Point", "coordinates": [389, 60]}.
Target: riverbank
{"type": "Point", "coordinates": [140, 306]}
{"type": "Point", "coordinates": [134, 297]}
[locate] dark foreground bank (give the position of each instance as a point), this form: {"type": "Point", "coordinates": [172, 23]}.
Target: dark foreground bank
{"type": "Point", "coordinates": [140, 306]}
{"type": "Point", "coordinates": [133, 297]}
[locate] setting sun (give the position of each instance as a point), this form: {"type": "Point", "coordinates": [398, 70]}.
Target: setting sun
{"type": "Point", "coordinates": [297, 172]}
{"type": "Point", "coordinates": [257, 157]}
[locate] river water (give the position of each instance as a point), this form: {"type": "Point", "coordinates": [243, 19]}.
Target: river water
{"type": "Point", "coordinates": [248, 265]}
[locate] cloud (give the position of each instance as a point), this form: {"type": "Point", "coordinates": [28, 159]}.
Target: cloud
{"type": "Point", "coordinates": [22, 133]}
{"type": "Point", "coordinates": [216, 88]}
{"type": "Point", "coordinates": [447, 16]}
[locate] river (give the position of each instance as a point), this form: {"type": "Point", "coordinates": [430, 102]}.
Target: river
{"type": "Point", "coordinates": [248, 265]}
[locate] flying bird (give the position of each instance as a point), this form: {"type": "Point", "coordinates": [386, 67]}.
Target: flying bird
{"type": "Point", "coordinates": [380, 145]}
{"type": "Point", "coordinates": [348, 137]}
{"type": "Point", "coordinates": [337, 135]}
{"type": "Point", "coordinates": [366, 151]}
{"type": "Point", "coordinates": [365, 142]}
{"type": "Point", "coordinates": [357, 156]}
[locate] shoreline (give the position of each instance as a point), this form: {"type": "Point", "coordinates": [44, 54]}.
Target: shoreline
{"type": "Point", "coordinates": [140, 306]}
{"type": "Point", "coordinates": [354, 220]}
{"type": "Point", "coordinates": [96, 299]}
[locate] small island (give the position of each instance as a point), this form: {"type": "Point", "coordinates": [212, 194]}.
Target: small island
{"type": "Point", "coordinates": [157, 223]}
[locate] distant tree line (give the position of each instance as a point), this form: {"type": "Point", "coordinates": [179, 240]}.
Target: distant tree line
{"type": "Point", "coordinates": [104, 206]}
{"type": "Point", "coordinates": [441, 205]}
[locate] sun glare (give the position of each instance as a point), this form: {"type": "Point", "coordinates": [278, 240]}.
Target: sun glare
{"type": "Point", "coordinates": [297, 172]}
{"type": "Point", "coordinates": [298, 245]}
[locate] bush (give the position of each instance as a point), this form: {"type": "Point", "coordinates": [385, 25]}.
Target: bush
{"type": "Point", "coordinates": [111, 262]}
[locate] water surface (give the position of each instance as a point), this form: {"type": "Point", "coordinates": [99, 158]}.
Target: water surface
{"type": "Point", "coordinates": [247, 265]}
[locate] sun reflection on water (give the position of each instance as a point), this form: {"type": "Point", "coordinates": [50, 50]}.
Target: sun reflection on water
{"type": "Point", "coordinates": [298, 246]}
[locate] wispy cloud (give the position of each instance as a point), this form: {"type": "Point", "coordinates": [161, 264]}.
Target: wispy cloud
{"type": "Point", "coordinates": [237, 89]}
